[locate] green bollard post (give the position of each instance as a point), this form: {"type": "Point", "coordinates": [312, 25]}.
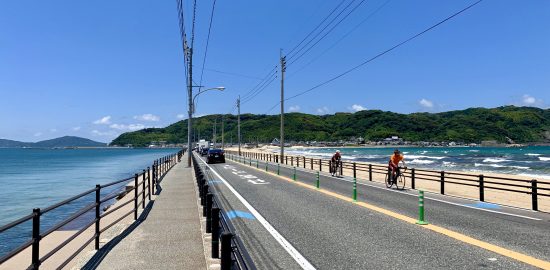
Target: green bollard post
{"type": "Point", "coordinates": [257, 164]}
{"type": "Point", "coordinates": [317, 183]}
{"type": "Point", "coordinates": [421, 208]}
{"type": "Point", "coordinates": [355, 189]}
{"type": "Point", "coordinates": [250, 162]}
{"type": "Point", "coordinates": [266, 165]}
{"type": "Point", "coordinates": [294, 176]}
{"type": "Point", "coordinates": [278, 169]}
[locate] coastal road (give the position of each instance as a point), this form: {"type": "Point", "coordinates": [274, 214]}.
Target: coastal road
{"type": "Point", "coordinates": [323, 229]}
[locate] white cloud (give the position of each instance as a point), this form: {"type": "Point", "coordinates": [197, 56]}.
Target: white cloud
{"type": "Point", "coordinates": [426, 103]}
{"type": "Point", "coordinates": [130, 127]}
{"type": "Point", "coordinates": [180, 116]}
{"type": "Point", "coordinates": [147, 117]}
{"type": "Point", "coordinates": [103, 121]}
{"type": "Point", "coordinates": [294, 108]}
{"type": "Point", "coordinates": [323, 110]}
{"type": "Point", "coordinates": [100, 133]}
{"type": "Point", "coordinates": [76, 128]}
{"type": "Point", "coordinates": [37, 134]}
{"type": "Point", "coordinates": [357, 107]}
{"type": "Point", "coordinates": [529, 100]}
{"type": "Point", "coordinates": [52, 130]}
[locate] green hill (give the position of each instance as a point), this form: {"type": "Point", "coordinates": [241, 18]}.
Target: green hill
{"type": "Point", "coordinates": [521, 124]}
{"type": "Point", "coordinates": [66, 141]}
{"type": "Point", "coordinates": [69, 141]}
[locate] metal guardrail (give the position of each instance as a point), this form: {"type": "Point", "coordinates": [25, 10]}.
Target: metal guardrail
{"type": "Point", "coordinates": [233, 253]}
{"type": "Point", "coordinates": [148, 180]}
{"type": "Point", "coordinates": [535, 188]}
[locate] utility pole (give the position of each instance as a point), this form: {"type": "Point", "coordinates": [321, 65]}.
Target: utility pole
{"type": "Point", "coordinates": [283, 69]}
{"type": "Point", "coordinates": [223, 145]}
{"type": "Point", "coordinates": [214, 139]}
{"type": "Point", "coordinates": [239, 122]}
{"type": "Point", "coordinates": [190, 101]}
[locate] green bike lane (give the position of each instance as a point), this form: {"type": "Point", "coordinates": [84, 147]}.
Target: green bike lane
{"type": "Point", "coordinates": [335, 234]}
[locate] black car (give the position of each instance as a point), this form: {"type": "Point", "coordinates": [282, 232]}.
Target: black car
{"type": "Point", "coordinates": [204, 151]}
{"type": "Point", "coordinates": [215, 155]}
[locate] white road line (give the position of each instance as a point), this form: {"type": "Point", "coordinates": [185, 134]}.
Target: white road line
{"type": "Point", "coordinates": [430, 198]}
{"type": "Point", "coordinates": [301, 260]}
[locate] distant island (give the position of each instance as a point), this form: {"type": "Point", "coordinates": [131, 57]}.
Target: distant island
{"type": "Point", "coordinates": [502, 125]}
{"type": "Point", "coordinates": [62, 142]}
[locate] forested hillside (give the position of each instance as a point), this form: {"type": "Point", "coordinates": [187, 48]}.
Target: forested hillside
{"type": "Point", "coordinates": [521, 124]}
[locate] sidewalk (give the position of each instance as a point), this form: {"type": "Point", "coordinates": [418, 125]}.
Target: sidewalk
{"type": "Point", "coordinates": [168, 238]}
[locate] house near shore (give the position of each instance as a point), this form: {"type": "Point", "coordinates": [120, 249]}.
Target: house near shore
{"type": "Point", "coordinates": [275, 142]}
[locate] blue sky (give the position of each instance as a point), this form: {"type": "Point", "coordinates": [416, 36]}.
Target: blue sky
{"type": "Point", "coordinates": [97, 69]}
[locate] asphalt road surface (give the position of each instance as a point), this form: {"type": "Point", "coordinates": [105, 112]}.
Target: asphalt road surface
{"type": "Point", "coordinates": [287, 224]}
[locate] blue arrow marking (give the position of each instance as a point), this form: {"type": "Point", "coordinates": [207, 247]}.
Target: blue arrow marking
{"type": "Point", "coordinates": [239, 214]}
{"type": "Point", "coordinates": [484, 205]}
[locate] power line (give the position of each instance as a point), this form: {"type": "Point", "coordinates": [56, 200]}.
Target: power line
{"type": "Point", "coordinates": [317, 27]}
{"type": "Point", "coordinates": [207, 40]}
{"type": "Point", "coordinates": [233, 74]}
{"type": "Point", "coordinates": [328, 32]}
{"type": "Point", "coordinates": [183, 36]}
{"type": "Point", "coordinates": [267, 77]}
{"type": "Point", "coordinates": [383, 53]}
{"type": "Point", "coordinates": [261, 86]}
{"type": "Point", "coordinates": [342, 38]}
{"type": "Point", "coordinates": [290, 57]}
{"type": "Point", "coordinates": [260, 91]}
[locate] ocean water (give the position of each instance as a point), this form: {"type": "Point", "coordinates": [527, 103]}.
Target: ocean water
{"type": "Point", "coordinates": [533, 161]}
{"type": "Point", "coordinates": [37, 178]}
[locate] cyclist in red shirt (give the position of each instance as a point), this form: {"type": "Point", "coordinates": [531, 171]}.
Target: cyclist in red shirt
{"type": "Point", "coordinates": [394, 163]}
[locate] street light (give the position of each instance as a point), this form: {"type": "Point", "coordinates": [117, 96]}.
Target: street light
{"type": "Point", "coordinates": [189, 120]}
{"type": "Point", "coordinates": [220, 88]}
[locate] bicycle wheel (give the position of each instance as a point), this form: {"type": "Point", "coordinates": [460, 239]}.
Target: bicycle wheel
{"type": "Point", "coordinates": [388, 181]}
{"type": "Point", "coordinates": [400, 182]}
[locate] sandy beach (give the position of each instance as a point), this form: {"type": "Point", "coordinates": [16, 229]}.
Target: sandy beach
{"type": "Point", "coordinates": [458, 188]}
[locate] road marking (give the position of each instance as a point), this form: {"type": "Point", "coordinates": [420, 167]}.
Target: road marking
{"type": "Point", "coordinates": [239, 214]}
{"type": "Point", "coordinates": [458, 236]}
{"type": "Point", "coordinates": [471, 206]}
{"type": "Point", "coordinates": [484, 205]}
{"type": "Point", "coordinates": [299, 258]}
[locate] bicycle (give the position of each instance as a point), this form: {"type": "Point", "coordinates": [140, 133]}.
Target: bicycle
{"type": "Point", "coordinates": [399, 182]}
{"type": "Point", "coordinates": [335, 168]}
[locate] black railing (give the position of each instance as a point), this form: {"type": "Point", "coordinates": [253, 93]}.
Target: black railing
{"type": "Point", "coordinates": [535, 188]}
{"type": "Point", "coordinates": [148, 180]}
{"type": "Point", "coordinates": [233, 253]}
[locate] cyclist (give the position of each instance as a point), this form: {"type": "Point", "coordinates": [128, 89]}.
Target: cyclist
{"type": "Point", "coordinates": [335, 160]}
{"type": "Point", "coordinates": [393, 166]}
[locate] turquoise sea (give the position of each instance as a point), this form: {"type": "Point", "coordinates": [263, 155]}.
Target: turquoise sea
{"type": "Point", "coordinates": [37, 178]}
{"type": "Point", "coordinates": [532, 161]}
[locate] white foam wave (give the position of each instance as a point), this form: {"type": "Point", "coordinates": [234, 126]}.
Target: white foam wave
{"type": "Point", "coordinates": [544, 158]}
{"type": "Point", "coordinates": [448, 164]}
{"type": "Point", "coordinates": [532, 154]}
{"type": "Point", "coordinates": [473, 151]}
{"type": "Point", "coordinates": [495, 160]}
{"type": "Point", "coordinates": [489, 165]}
{"type": "Point", "coordinates": [421, 161]}
{"type": "Point", "coordinates": [420, 156]}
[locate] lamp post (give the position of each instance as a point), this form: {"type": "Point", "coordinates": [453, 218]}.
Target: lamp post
{"type": "Point", "coordinates": [189, 121]}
